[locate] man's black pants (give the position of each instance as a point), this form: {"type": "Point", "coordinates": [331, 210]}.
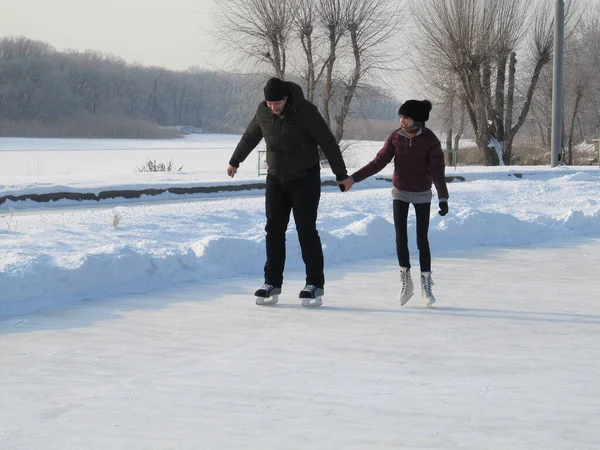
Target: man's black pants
{"type": "Point", "coordinates": [300, 196]}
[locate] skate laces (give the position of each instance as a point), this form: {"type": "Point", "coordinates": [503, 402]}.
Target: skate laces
{"type": "Point", "coordinates": [427, 282]}
{"type": "Point", "coordinates": [267, 287]}
{"type": "Point", "coordinates": [404, 280]}
{"type": "Point", "coordinates": [310, 288]}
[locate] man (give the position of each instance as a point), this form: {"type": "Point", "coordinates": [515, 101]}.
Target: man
{"type": "Point", "coordinates": [293, 130]}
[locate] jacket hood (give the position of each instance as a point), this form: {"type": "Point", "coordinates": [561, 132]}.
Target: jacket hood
{"type": "Point", "coordinates": [296, 93]}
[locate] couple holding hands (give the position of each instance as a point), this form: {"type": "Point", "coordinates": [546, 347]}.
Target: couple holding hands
{"type": "Point", "coordinates": [294, 130]}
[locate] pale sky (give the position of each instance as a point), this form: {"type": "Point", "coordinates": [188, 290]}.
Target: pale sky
{"type": "Point", "coordinates": [172, 34]}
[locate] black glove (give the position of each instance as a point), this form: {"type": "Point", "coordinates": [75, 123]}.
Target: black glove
{"type": "Point", "coordinates": [342, 187]}
{"type": "Point", "coordinates": [443, 208]}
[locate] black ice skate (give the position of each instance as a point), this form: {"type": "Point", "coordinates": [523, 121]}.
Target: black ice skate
{"type": "Point", "coordinates": [311, 295]}
{"type": "Point", "coordinates": [267, 295]}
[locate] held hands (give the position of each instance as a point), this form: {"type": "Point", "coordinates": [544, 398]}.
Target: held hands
{"type": "Point", "coordinates": [346, 184]}
{"type": "Point", "coordinates": [443, 208]}
{"type": "Point", "coordinates": [231, 171]}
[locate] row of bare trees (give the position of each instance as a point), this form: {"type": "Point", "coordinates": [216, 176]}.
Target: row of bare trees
{"type": "Point", "coordinates": [491, 59]}
{"type": "Point", "coordinates": [487, 62]}
{"type": "Point", "coordinates": [334, 46]}
{"type": "Point", "coordinates": [41, 85]}
{"type": "Point", "coordinates": [581, 107]}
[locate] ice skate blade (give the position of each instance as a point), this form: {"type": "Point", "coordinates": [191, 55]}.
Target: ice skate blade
{"type": "Point", "coordinates": [268, 301]}
{"type": "Point", "coordinates": [429, 304]}
{"type": "Point", "coordinates": [405, 301]}
{"type": "Point", "coordinates": [311, 302]}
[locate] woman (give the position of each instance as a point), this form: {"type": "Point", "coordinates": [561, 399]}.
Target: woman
{"type": "Point", "coordinates": [418, 163]}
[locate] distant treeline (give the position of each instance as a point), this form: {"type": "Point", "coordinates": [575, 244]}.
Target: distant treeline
{"type": "Point", "coordinates": [44, 92]}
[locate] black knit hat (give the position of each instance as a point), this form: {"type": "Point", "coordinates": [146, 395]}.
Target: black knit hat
{"type": "Point", "coordinates": [276, 90]}
{"type": "Point", "coordinates": [415, 109]}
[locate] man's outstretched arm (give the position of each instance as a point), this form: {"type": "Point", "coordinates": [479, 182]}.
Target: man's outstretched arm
{"type": "Point", "coordinates": [250, 139]}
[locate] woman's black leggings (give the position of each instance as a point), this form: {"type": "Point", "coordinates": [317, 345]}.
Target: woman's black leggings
{"type": "Point", "coordinates": [401, 223]}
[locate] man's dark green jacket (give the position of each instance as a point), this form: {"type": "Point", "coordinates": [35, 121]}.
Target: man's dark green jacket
{"type": "Point", "coordinates": [292, 138]}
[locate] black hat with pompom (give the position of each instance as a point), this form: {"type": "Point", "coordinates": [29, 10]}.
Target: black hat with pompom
{"type": "Point", "coordinates": [417, 110]}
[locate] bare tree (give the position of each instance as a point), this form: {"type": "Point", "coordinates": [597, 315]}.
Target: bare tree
{"type": "Point", "coordinates": [578, 77]}
{"type": "Point", "coordinates": [259, 29]}
{"type": "Point", "coordinates": [541, 108]}
{"type": "Point", "coordinates": [304, 23]}
{"type": "Point", "coordinates": [306, 29]}
{"type": "Point", "coordinates": [478, 41]}
{"type": "Point", "coordinates": [331, 19]}
{"type": "Point", "coordinates": [582, 73]}
{"type": "Point", "coordinates": [444, 85]}
{"type": "Point", "coordinates": [370, 25]}
{"type": "Point", "coordinates": [453, 112]}
{"type": "Point", "coordinates": [593, 107]}
{"type": "Point", "coordinates": [581, 118]}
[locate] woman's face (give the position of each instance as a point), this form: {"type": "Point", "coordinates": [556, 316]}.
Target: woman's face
{"type": "Point", "coordinates": [406, 122]}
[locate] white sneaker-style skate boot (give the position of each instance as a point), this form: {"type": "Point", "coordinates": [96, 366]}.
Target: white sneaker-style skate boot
{"type": "Point", "coordinates": [407, 287]}
{"type": "Point", "coordinates": [426, 284]}
{"type": "Point", "coordinates": [311, 296]}
{"type": "Point", "coordinates": [267, 295]}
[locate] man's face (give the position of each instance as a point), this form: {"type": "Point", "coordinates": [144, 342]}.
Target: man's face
{"type": "Point", "coordinates": [277, 106]}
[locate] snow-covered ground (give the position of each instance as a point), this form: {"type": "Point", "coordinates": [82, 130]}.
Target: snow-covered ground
{"type": "Point", "coordinates": [131, 323]}
{"type": "Point", "coordinates": [507, 360]}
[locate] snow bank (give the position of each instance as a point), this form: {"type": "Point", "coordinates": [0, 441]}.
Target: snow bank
{"type": "Point", "coordinates": [36, 278]}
